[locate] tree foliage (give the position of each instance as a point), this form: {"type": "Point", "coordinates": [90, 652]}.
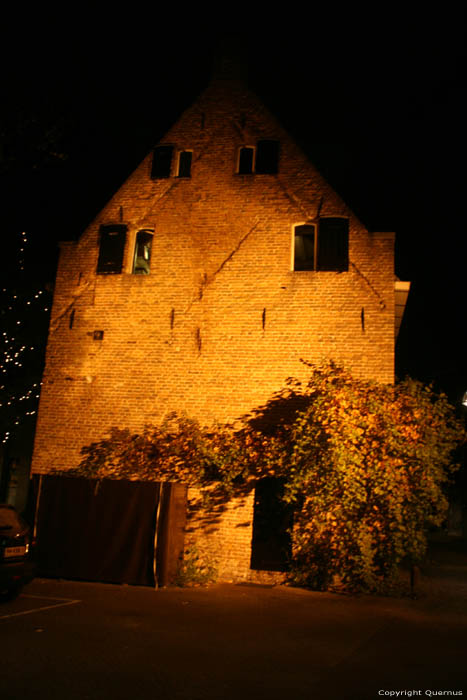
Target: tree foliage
{"type": "Point", "coordinates": [368, 462]}
{"type": "Point", "coordinates": [364, 465]}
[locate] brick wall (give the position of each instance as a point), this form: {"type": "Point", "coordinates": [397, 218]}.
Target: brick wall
{"type": "Point", "coordinates": [221, 320]}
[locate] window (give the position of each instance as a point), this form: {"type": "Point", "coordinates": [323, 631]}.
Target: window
{"type": "Point", "coordinates": [112, 238]}
{"type": "Point", "coordinates": [161, 162]}
{"type": "Point", "coordinates": [305, 251]}
{"type": "Point", "coordinates": [267, 157]}
{"type": "Point", "coordinates": [246, 160]}
{"type": "Point", "coordinates": [184, 163]}
{"type": "Point", "coordinates": [142, 257]}
{"type": "Point", "coordinates": [264, 159]}
{"type": "Point", "coordinates": [322, 247]}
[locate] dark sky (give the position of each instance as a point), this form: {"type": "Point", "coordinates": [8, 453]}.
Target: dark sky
{"type": "Point", "coordinates": [380, 110]}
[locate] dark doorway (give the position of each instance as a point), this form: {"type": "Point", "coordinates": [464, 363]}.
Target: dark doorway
{"type": "Point", "coordinates": [272, 521]}
{"type": "Point", "coordinates": [109, 530]}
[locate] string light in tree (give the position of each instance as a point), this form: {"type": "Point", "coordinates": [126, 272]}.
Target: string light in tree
{"type": "Point", "coordinates": [24, 317]}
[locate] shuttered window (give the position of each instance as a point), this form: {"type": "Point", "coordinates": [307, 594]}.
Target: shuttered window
{"type": "Point", "coordinates": [161, 162]}
{"type": "Point", "coordinates": [112, 239]}
{"type": "Point", "coordinates": [267, 157]}
{"type": "Point", "coordinates": [333, 244]}
{"type": "Point", "coordinates": [324, 247]}
{"type": "Point", "coordinates": [184, 164]}
{"type": "Point", "coordinates": [245, 160]}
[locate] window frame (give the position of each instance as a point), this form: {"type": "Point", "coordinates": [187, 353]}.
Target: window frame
{"type": "Point", "coordinates": [254, 160]}
{"type": "Point", "coordinates": [149, 233]}
{"type": "Point", "coordinates": [304, 224]}
{"type": "Point", "coordinates": [246, 147]}
{"type": "Point", "coordinates": [341, 247]}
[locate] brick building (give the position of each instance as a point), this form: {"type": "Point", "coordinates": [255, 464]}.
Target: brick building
{"type": "Point", "coordinates": [223, 260]}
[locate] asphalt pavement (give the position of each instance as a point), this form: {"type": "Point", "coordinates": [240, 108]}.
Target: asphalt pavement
{"type": "Point", "coordinates": [67, 640]}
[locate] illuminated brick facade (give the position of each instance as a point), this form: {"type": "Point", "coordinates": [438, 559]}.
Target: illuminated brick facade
{"type": "Point", "coordinates": [211, 315]}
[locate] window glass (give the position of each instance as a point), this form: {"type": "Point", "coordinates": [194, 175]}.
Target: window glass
{"type": "Point", "coordinates": [9, 519]}
{"type": "Point", "coordinates": [304, 247]}
{"type": "Point", "coordinates": [161, 162]}
{"type": "Point", "coordinates": [142, 258]}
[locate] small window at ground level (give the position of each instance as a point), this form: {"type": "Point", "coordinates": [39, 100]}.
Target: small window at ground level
{"type": "Point", "coordinates": [112, 238]}
{"type": "Point", "coordinates": [324, 247]}
{"type": "Point", "coordinates": [142, 258]}
{"type": "Point", "coordinates": [267, 157]}
{"type": "Point", "coordinates": [161, 162]}
{"type": "Point", "coordinates": [184, 163]}
{"type": "Point", "coordinates": [246, 160]}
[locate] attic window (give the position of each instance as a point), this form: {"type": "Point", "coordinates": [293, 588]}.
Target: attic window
{"type": "Point", "coordinates": [112, 238]}
{"type": "Point", "coordinates": [161, 162]}
{"type": "Point", "coordinates": [142, 258]}
{"type": "Point", "coordinates": [267, 157]}
{"type": "Point", "coordinates": [184, 163]}
{"type": "Point", "coordinates": [262, 159]}
{"type": "Point", "coordinates": [246, 160]}
{"type": "Point", "coordinates": [324, 247]}
{"type": "Point", "coordinates": [305, 247]}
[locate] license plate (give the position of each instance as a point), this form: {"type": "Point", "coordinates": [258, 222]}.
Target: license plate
{"type": "Point", "coordinates": [14, 552]}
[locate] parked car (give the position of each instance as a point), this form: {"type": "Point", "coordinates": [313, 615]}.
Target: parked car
{"type": "Point", "coordinates": [16, 563]}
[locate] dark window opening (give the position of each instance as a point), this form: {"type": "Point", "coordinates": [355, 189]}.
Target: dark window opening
{"type": "Point", "coordinates": [272, 522]}
{"type": "Point", "coordinates": [267, 157]}
{"type": "Point", "coordinates": [333, 244]}
{"type": "Point", "coordinates": [142, 258]}
{"type": "Point", "coordinates": [324, 247]}
{"type": "Point", "coordinates": [246, 160]}
{"type": "Point", "coordinates": [161, 162]}
{"type": "Point", "coordinates": [305, 241]}
{"type": "Point", "coordinates": [184, 164]}
{"type": "Point", "coordinates": [112, 239]}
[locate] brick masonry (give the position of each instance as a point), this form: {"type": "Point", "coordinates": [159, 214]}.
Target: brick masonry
{"type": "Point", "coordinates": [222, 319]}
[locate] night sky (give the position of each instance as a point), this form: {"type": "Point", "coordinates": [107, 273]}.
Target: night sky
{"type": "Point", "coordinates": [380, 111]}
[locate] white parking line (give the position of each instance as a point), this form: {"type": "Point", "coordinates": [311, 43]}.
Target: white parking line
{"type": "Point", "coordinates": [63, 601]}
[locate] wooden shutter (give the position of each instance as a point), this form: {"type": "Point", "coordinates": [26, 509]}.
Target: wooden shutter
{"type": "Point", "coordinates": [267, 157]}
{"type": "Point", "coordinates": [333, 244]}
{"type": "Point", "coordinates": [161, 162]}
{"type": "Point", "coordinates": [184, 164]}
{"type": "Point", "coordinates": [111, 248]}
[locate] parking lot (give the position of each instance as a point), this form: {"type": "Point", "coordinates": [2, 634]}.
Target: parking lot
{"type": "Point", "coordinates": [64, 639]}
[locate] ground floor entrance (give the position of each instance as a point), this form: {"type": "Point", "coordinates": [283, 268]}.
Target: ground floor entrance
{"type": "Point", "coordinates": [107, 530]}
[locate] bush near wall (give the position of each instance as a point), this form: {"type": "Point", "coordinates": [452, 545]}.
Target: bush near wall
{"type": "Point", "coordinates": [364, 464]}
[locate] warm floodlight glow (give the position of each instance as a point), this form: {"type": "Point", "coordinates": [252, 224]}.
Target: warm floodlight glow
{"type": "Point", "coordinates": [464, 399]}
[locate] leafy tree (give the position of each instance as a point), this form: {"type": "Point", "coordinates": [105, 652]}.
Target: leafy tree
{"type": "Point", "coordinates": [364, 464]}
{"type": "Point", "coordinates": [368, 464]}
